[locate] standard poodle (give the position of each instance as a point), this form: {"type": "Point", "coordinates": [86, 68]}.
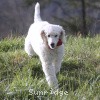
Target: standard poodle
{"type": "Point", "coordinates": [47, 41]}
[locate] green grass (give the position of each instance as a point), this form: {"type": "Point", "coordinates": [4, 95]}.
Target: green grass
{"type": "Point", "coordinates": [22, 78]}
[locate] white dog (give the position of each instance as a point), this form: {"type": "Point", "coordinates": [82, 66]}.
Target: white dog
{"type": "Point", "coordinates": [47, 41]}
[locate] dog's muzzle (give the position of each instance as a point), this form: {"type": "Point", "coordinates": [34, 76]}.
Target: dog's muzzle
{"type": "Point", "coordinates": [58, 44]}
{"type": "Point", "coordinates": [52, 45]}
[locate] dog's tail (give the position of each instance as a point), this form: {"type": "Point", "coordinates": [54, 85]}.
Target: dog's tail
{"type": "Point", "coordinates": [37, 16]}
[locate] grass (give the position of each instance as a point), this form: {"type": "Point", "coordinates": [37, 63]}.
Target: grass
{"type": "Point", "coordinates": [22, 78]}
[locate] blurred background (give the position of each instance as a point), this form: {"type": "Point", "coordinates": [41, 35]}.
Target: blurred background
{"type": "Point", "coordinates": [76, 16]}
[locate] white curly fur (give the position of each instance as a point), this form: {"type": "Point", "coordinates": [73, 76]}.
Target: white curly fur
{"type": "Point", "coordinates": [43, 39]}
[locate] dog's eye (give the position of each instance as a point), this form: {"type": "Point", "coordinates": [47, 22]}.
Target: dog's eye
{"type": "Point", "coordinates": [48, 35]}
{"type": "Point", "coordinates": [56, 35]}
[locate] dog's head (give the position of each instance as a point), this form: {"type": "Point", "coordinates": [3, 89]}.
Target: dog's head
{"type": "Point", "coordinates": [53, 36]}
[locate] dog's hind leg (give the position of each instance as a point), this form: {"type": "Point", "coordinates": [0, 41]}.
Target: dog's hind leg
{"type": "Point", "coordinates": [28, 48]}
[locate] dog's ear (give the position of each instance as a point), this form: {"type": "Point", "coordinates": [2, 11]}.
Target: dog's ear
{"type": "Point", "coordinates": [62, 36]}
{"type": "Point", "coordinates": [43, 36]}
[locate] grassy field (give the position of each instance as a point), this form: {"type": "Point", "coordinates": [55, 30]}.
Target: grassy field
{"type": "Point", "coordinates": [22, 78]}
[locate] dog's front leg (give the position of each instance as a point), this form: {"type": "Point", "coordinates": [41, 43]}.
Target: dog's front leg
{"type": "Point", "coordinates": [49, 72]}
{"type": "Point", "coordinates": [58, 59]}
{"type": "Point", "coordinates": [50, 75]}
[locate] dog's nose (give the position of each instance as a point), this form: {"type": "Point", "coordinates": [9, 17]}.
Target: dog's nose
{"type": "Point", "coordinates": [52, 45]}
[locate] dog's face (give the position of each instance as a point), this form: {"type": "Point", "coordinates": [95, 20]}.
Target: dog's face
{"type": "Point", "coordinates": [54, 37]}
